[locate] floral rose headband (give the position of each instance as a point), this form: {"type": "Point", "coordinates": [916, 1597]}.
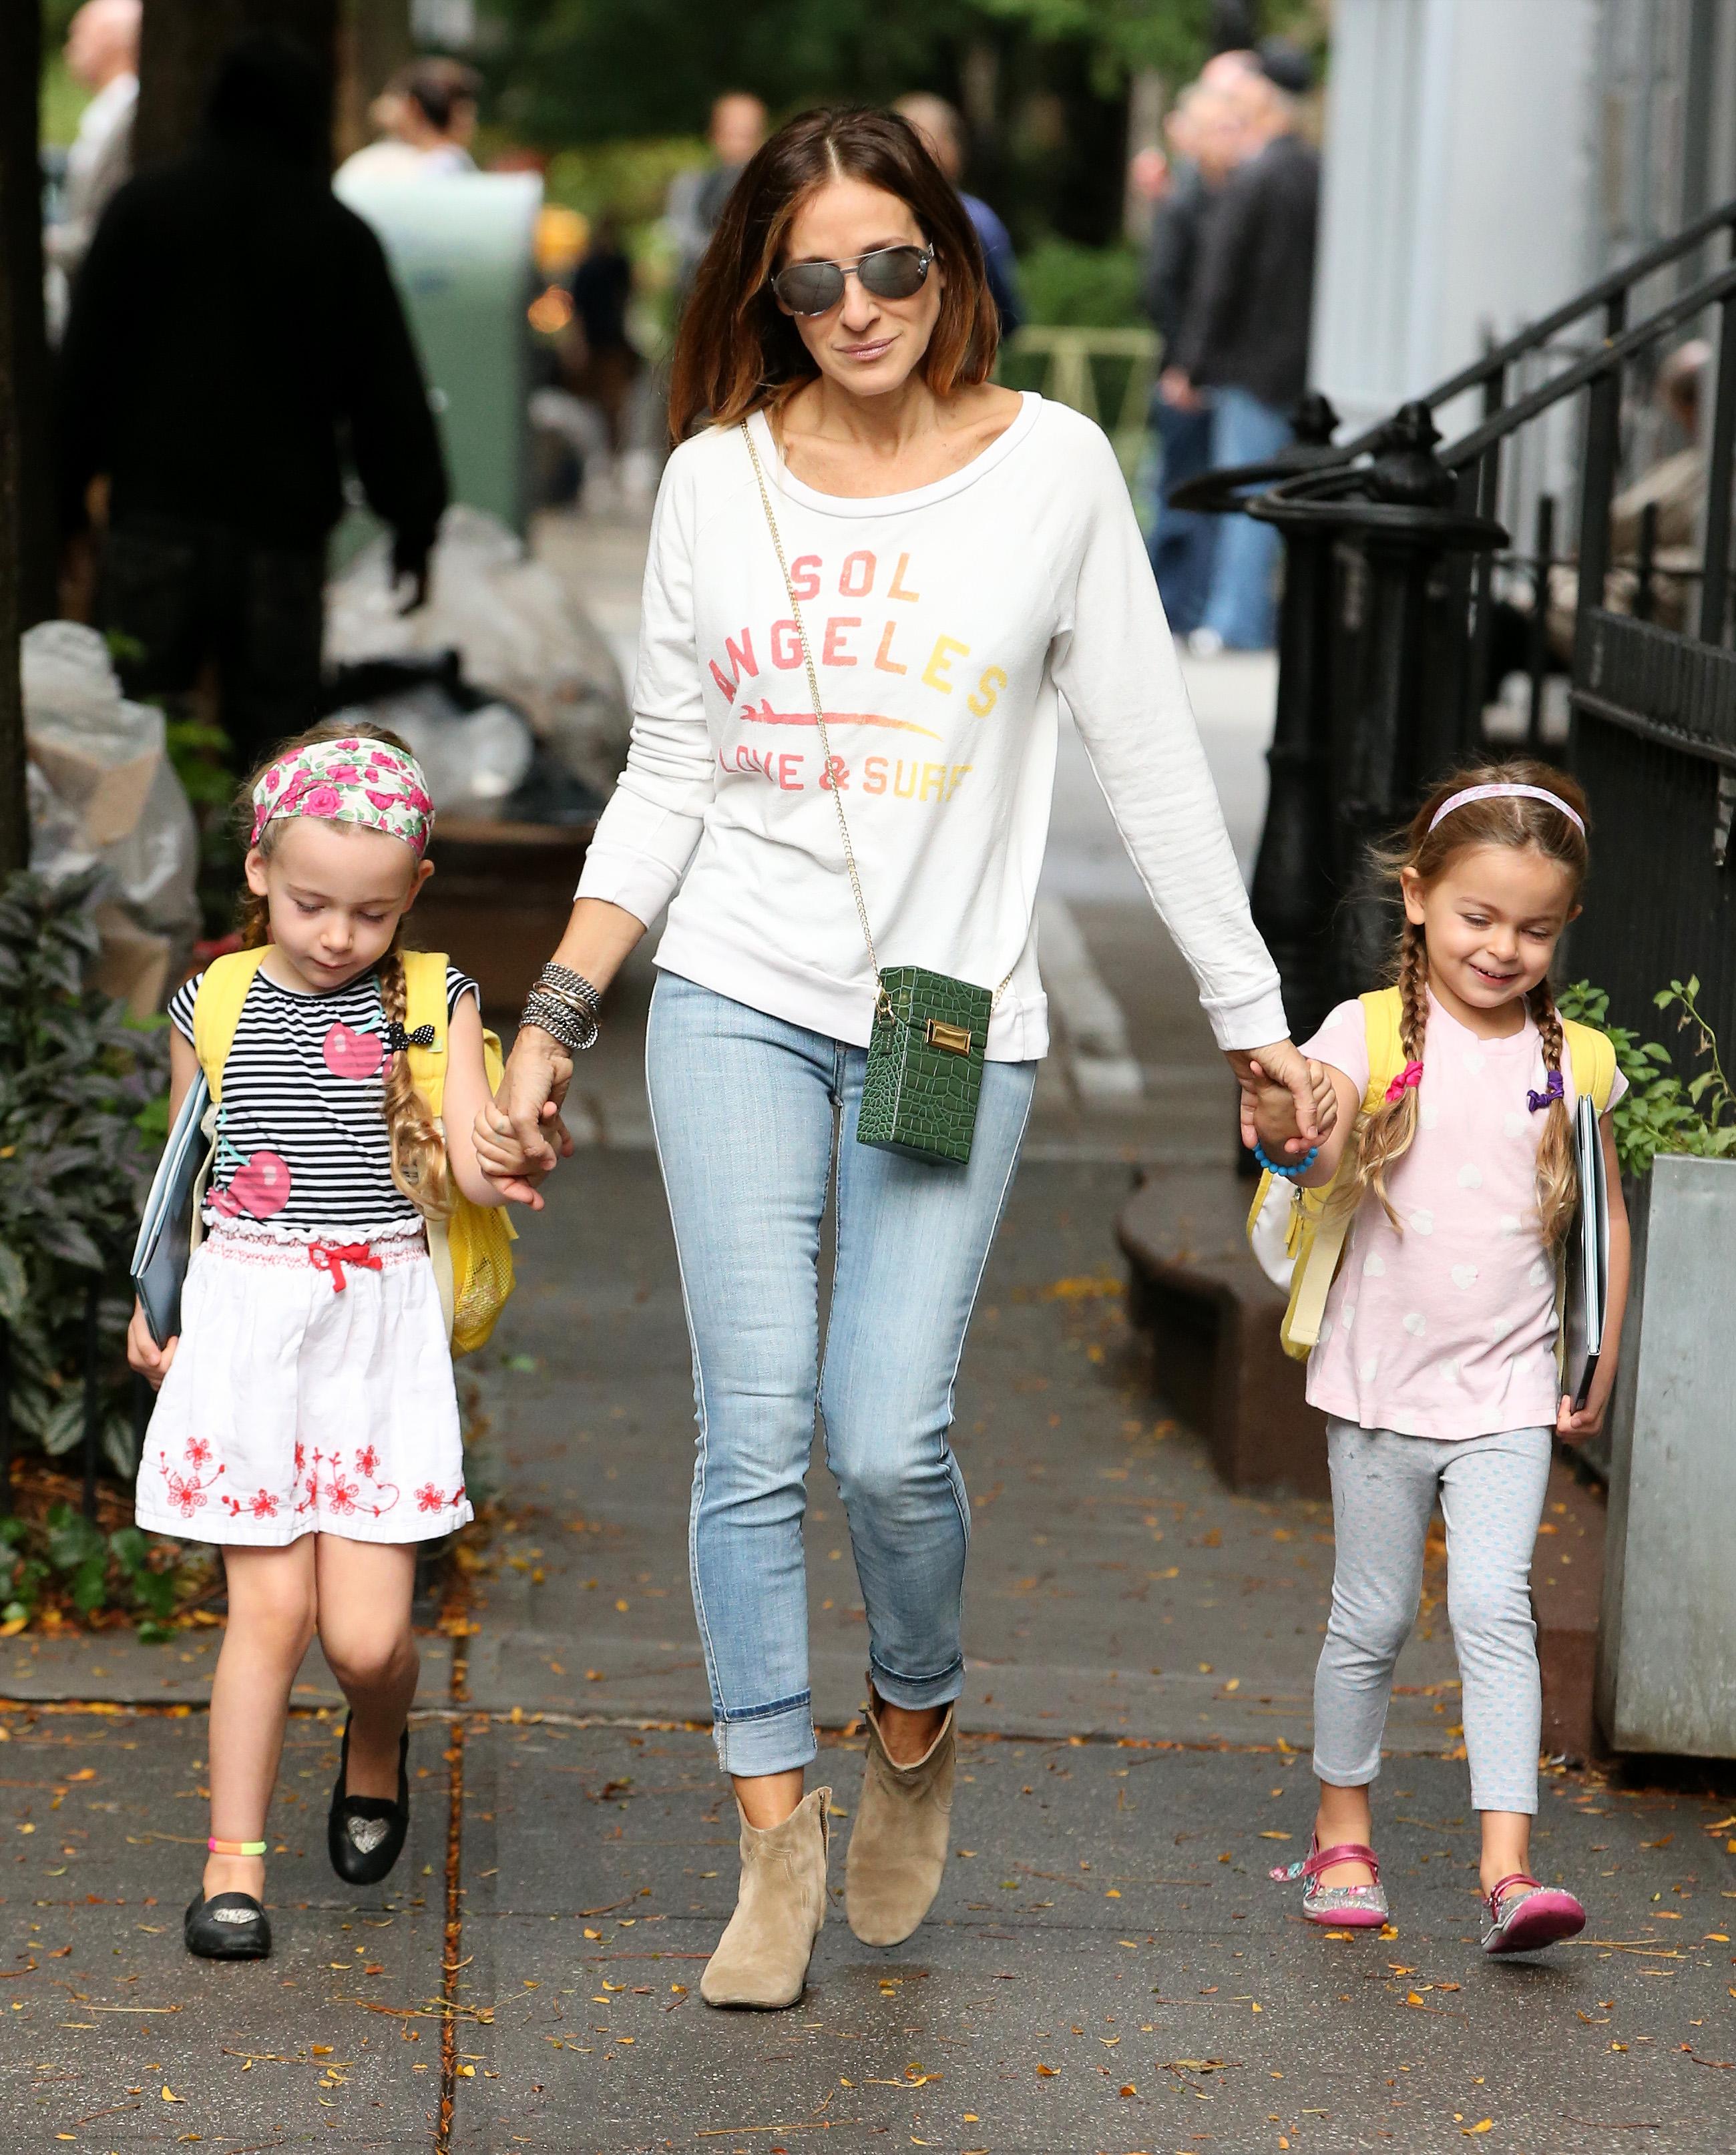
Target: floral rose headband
{"type": "Point", "coordinates": [355, 780]}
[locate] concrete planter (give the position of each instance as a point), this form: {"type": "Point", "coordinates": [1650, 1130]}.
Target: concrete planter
{"type": "Point", "coordinates": [1667, 1641]}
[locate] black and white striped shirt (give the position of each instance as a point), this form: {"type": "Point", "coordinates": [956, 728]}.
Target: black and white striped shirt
{"type": "Point", "coordinates": [302, 1150]}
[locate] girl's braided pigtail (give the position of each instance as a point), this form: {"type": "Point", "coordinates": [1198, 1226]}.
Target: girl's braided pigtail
{"type": "Point", "coordinates": [1558, 1186]}
{"type": "Point", "coordinates": [418, 1151]}
{"type": "Point", "coordinates": [1385, 1134]}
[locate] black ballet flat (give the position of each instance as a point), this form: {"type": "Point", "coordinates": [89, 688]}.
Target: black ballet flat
{"type": "Point", "coordinates": [227, 1926]}
{"type": "Point", "coordinates": [364, 1835]}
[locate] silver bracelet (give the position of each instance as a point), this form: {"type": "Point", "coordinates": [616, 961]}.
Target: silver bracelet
{"type": "Point", "coordinates": [563, 1018]}
{"type": "Point", "coordinates": [562, 980]}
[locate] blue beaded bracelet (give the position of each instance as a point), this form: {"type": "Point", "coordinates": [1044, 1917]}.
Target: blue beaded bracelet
{"type": "Point", "coordinates": [1296, 1168]}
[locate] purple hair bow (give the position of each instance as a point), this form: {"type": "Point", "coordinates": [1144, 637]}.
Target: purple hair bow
{"type": "Point", "coordinates": [1553, 1092]}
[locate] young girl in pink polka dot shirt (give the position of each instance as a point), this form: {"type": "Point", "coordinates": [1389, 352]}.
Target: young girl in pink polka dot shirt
{"type": "Point", "coordinates": [1436, 1363]}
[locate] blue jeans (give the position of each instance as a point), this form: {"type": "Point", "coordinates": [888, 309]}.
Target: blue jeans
{"type": "Point", "coordinates": [1184, 541]}
{"type": "Point", "coordinates": [1242, 607]}
{"type": "Point", "coordinates": [751, 1115]}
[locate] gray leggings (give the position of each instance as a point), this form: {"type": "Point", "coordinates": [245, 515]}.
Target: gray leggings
{"type": "Point", "coordinates": [1384, 1487]}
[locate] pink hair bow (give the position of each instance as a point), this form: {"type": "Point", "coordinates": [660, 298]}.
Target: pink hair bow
{"type": "Point", "coordinates": [1411, 1074]}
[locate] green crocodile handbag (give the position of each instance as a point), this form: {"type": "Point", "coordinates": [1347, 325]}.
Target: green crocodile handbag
{"type": "Point", "coordinates": [930, 1034]}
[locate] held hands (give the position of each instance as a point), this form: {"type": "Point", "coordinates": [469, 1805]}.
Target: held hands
{"type": "Point", "coordinates": [1289, 1104]}
{"type": "Point", "coordinates": [1275, 1116]}
{"type": "Point", "coordinates": [520, 1136]}
{"type": "Point", "coordinates": [142, 1352]}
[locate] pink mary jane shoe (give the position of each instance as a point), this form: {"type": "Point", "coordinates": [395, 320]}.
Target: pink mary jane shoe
{"type": "Point", "coordinates": [1343, 1907]}
{"type": "Point", "coordinates": [1521, 1915]}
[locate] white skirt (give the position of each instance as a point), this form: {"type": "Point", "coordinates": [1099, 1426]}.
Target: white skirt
{"type": "Point", "coordinates": [295, 1405]}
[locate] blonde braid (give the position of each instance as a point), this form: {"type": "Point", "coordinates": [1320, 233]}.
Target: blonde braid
{"type": "Point", "coordinates": [418, 1151]}
{"type": "Point", "coordinates": [1558, 1185]}
{"type": "Point", "coordinates": [1385, 1134]}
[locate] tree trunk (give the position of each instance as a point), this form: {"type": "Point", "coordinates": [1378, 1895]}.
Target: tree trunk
{"type": "Point", "coordinates": [178, 51]}
{"type": "Point", "coordinates": [27, 547]}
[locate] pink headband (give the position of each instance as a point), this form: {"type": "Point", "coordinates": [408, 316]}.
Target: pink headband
{"type": "Point", "coordinates": [1509, 793]}
{"type": "Point", "coordinates": [355, 780]}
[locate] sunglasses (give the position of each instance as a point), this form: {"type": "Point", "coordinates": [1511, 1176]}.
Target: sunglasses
{"type": "Point", "coordinates": [889, 272]}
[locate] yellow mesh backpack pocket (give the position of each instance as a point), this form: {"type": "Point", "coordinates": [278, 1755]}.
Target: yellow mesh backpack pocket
{"type": "Point", "coordinates": [471, 1247]}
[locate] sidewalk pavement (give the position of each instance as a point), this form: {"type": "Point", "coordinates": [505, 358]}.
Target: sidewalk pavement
{"type": "Point", "coordinates": [1108, 1967]}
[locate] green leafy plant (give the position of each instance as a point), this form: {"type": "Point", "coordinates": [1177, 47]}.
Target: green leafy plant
{"type": "Point", "coordinates": [96, 1572]}
{"type": "Point", "coordinates": [75, 1166]}
{"type": "Point", "coordinates": [1663, 1111]}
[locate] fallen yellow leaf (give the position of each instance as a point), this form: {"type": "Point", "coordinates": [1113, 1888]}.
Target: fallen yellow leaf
{"type": "Point", "coordinates": [1486, 2125]}
{"type": "Point", "coordinates": [169, 2095]}
{"type": "Point", "coordinates": [1046, 2072]}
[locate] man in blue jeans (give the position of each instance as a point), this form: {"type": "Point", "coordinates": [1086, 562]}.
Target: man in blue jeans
{"type": "Point", "coordinates": [1246, 340]}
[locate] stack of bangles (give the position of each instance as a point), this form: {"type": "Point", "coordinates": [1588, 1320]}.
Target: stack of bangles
{"type": "Point", "coordinates": [1296, 1167]}
{"type": "Point", "coordinates": [563, 1004]}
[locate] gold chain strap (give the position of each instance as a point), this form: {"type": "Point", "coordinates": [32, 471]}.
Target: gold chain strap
{"type": "Point", "coordinates": [813, 691]}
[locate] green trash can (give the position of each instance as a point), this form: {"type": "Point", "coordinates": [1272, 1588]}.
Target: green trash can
{"type": "Point", "coordinates": [461, 247]}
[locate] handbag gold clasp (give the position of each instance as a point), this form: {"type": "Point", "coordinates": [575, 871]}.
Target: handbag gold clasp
{"type": "Point", "coordinates": [955, 1039]}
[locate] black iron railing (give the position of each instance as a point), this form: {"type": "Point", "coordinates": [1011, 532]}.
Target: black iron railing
{"type": "Point", "coordinates": [1403, 601]}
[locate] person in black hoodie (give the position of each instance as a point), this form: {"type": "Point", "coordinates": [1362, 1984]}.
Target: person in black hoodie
{"type": "Point", "coordinates": [234, 340]}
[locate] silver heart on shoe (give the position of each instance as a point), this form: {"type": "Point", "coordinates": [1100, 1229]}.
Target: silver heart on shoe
{"type": "Point", "coordinates": [365, 1834]}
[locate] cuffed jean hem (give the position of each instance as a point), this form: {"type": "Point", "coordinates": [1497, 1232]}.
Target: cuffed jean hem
{"type": "Point", "coordinates": [773, 1739]}
{"type": "Point", "coordinates": [1353, 1777]}
{"type": "Point", "coordinates": [915, 1693]}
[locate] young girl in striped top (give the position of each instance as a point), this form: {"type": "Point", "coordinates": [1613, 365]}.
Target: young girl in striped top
{"type": "Point", "coordinates": [306, 1419]}
{"type": "Point", "coordinates": [1436, 1363]}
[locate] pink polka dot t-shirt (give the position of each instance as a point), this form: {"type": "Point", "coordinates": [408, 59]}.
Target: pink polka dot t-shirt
{"type": "Point", "coordinates": [1447, 1330]}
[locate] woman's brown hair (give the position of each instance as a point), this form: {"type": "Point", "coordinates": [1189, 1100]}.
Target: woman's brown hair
{"type": "Point", "coordinates": [418, 1151]}
{"type": "Point", "coordinates": [736, 351]}
{"type": "Point", "coordinates": [1384, 1136]}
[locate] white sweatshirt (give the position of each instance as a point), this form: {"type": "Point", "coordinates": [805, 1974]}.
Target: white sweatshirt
{"type": "Point", "coordinates": [945, 622]}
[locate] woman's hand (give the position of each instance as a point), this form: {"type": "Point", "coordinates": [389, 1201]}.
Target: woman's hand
{"type": "Point", "coordinates": [1311, 1093]}
{"type": "Point", "coordinates": [520, 1136]}
{"type": "Point", "coordinates": [142, 1352]}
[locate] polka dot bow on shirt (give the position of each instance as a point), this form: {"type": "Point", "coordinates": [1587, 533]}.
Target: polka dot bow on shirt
{"type": "Point", "coordinates": [353, 781]}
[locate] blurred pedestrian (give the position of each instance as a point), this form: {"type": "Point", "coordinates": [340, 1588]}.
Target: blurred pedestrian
{"type": "Point", "coordinates": [943, 130]}
{"type": "Point", "coordinates": [1245, 336]}
{"type": "Point", "coordinates": [697, 196]}
{"type": "Point", "coordinates": [102, 56]}
{"type": "Point", "coordinates": [601, 361]}
{"type": "Point", "coordinates": [427, 115]}
{"type": "Point", "coordinates": [234, 334]}
{"type": "Point", "coordinates": [1204, 136]}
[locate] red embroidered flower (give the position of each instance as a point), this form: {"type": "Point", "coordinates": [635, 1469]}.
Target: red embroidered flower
{"type": "Point", "coordinates": [431, 1499]}
{"type": "Point", "coordinates": [198, 1451]}
{"type": "Point", "coordinates": [186, 1496]}
{"type": "Point", "coordinates": [263, 1505]}
{"type": "Point", "coordinates": [367, 1461]}
{"type": "Point", "coordinates": [300, 1455]}
{"type": "Point", "coordinates": [340, 1494]}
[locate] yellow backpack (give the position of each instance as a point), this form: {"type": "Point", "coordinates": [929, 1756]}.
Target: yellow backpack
{"type": "Point", "coordinates": [1297, 1247]}
{"type": "Point", "coordinates": [471, 1248]}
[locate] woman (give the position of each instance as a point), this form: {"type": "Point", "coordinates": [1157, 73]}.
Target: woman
{"type": "Point", "coordinates": [958, 557]}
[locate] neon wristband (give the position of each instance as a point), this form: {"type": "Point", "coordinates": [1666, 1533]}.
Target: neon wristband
{"type": "Point", "coordinates": [1296, 1167]}
{"type": "Point", "coordinates": [235, 1847]}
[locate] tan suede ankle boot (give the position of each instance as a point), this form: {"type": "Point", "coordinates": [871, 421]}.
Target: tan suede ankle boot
{"type": "Point", "coordinates": [761, 1960]}
{"type": "Point", "coordinates": [898, 1847]}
